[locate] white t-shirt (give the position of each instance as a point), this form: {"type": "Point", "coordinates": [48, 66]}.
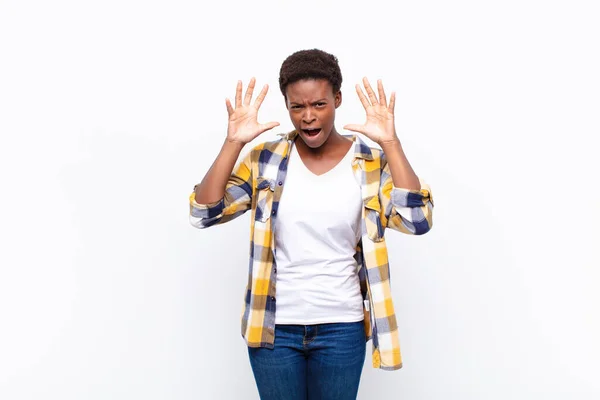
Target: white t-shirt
{"type": "Point", "coordinates": [317, 229]}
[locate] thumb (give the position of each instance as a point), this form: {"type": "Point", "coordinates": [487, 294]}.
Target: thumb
{"type": "Point", "coordinates": [355, 128]}
{"type": "Point", "coordinates": [267, 126]}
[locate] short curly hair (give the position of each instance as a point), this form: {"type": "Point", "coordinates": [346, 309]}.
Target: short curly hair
{"type": "Point", "coordinates": [310, 64]}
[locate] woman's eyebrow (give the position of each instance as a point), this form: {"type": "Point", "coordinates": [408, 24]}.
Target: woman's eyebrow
{"type": "Point", "coordinates": [324, 99]}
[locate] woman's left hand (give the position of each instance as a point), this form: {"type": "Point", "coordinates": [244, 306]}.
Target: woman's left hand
{"type": "Point", "coordinates": [380, 115]}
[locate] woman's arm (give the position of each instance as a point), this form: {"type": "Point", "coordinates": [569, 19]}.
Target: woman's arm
{"type": "Point", "coordinates": [406, 203]}
{"type": "Point", "coordinates": [224, 192]}
{"type": "Point", "coordinates": [212, 187]}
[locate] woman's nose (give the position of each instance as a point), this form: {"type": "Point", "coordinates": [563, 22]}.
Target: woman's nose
{"type": "Point", "coordinates": [308, 116]}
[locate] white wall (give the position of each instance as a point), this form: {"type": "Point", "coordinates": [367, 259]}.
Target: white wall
{"type": "Point", "coordinates": [111, 111]}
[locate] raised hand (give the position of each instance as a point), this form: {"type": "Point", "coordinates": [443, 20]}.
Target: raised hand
{"type": "Point", "coordinates": [380, 115]}
{"type": "Point", "coordinates": [243, 126]}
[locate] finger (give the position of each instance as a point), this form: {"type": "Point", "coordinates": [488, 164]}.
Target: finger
{"type": "Point", "coordinates": [229, 108]}
{"type": "Point", "coordinates": [392, 102]}
{"type": "Point", "coordinates": [355, 128]}
{"type": "Point", "coordinates": [362, 97]}
{"type": "Point", "coordinates": [370, 91]}
{"type": "Point", "coordinates": [249, 92]}
{"type": "Point", "coordinates": [238, 94]}
{"type": "Point", "coordinates": [261, 96]}
{"type": "Point", "coordinates": [268, 126]}
{"type": "Point", "coordinates": [382, 99]}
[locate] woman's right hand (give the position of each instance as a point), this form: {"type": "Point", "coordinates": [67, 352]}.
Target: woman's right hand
{"type": "Point", "coordinates": [243, 126]}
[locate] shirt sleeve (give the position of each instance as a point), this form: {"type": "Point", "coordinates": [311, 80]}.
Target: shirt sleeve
{"type": "Point", "coordinates": [407, 211]}
{"type": "Point", "coordinates": [236, 201]}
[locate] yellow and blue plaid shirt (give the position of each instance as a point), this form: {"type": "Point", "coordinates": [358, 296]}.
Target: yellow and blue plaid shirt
{"type": "Point", "coordinates": [257, 183]}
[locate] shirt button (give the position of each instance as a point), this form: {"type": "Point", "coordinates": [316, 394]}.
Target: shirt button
{"type": "Point", "coordinates": [275, 270]}
{"type": "Point", "coordinates": [280, 183]}
{"type": "Point", "coordinates": [273, 212]}
{"type": "Point", "coordinates": [272, 298]}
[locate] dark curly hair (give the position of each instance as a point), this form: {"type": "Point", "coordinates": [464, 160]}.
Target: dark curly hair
{"type": "Point", "coordinates": [310, 64]}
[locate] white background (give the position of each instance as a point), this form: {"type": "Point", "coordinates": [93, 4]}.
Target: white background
{"type": "Point", "coordinates": [110, 112]}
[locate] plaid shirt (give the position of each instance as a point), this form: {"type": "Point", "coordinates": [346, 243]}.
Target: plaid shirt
{"type": "Point", "coordinates": [257, 184]}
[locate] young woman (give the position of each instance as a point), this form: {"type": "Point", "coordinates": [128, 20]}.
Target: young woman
{"type": "Point", "coordinates": [318, 282]}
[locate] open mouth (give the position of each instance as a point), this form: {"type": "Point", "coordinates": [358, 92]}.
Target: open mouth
{"type": "Point", "coordinates": [311, 132]}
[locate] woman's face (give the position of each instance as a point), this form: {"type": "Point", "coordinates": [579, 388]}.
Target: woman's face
{"type": "Point", "coordinates": [311, 104]}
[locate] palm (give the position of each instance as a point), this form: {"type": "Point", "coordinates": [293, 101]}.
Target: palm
{"type": "Point", "coordinates": [379, 126]}
{"type": "Point", "coordinates": [243, 125]}
{"type": "Point", "coordinates": [243, 122]}
{"type": "Point", "coordinates": [379, 121]}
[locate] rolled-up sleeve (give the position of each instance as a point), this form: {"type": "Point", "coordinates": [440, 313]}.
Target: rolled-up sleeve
{"type": "Point", "coordinates": [407, 211]}
{"type": "Point", "coordinates": [236, 201]}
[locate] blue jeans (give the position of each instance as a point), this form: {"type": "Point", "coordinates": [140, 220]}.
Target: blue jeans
{"type": "Point", "coordinates": [314, 362]}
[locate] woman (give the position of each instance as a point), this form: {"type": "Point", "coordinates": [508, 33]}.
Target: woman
{"type": "Point", "coordinates": [318, 283]}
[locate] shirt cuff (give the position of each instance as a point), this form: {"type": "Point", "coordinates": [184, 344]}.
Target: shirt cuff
{"type": "Point", "coordinates": [205, 211]}
{"type": "Point", "coordinates": [411, 198]}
